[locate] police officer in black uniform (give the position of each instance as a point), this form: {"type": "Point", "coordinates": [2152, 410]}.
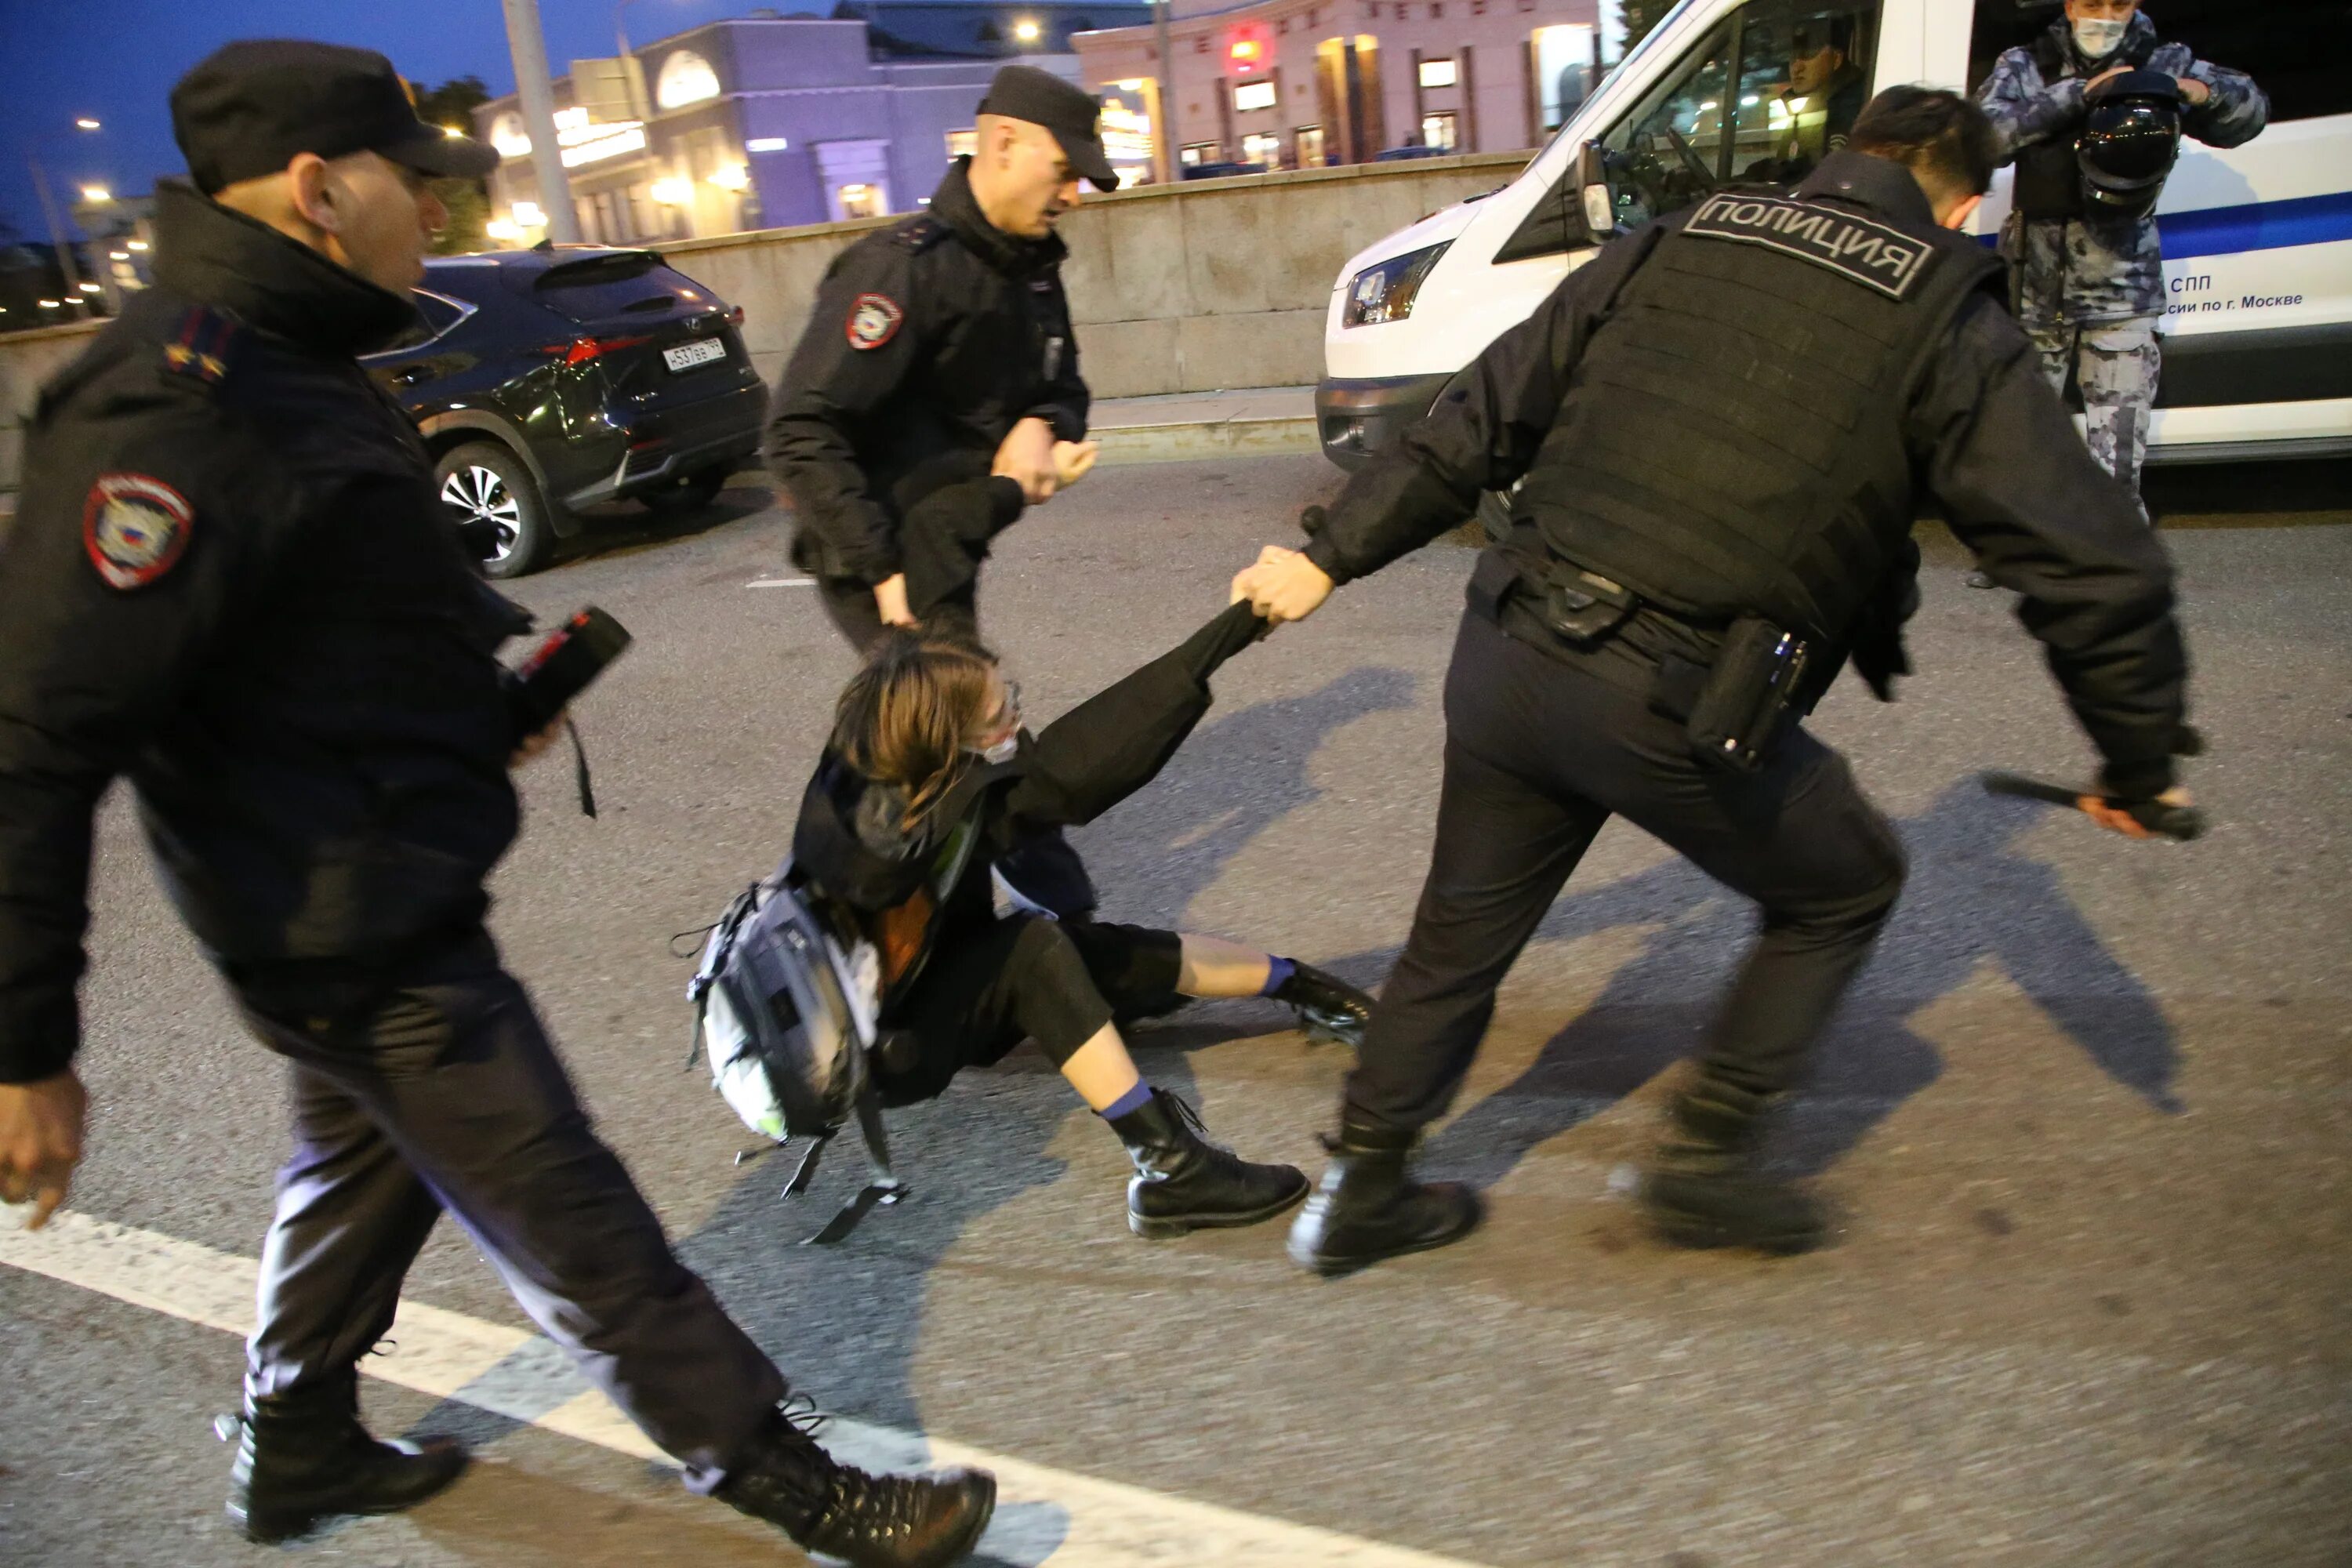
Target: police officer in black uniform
{"type": "Point", "coordinates": [1722, 422]}
{"type": "Point", "coordinates": [939, 352]}
{"type": "Point", "coordinates": [230, 581]}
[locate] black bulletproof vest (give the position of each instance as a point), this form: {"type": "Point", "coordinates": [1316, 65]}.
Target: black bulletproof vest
{"type": "Point", "coordinates": [1732, 444]}
{"type": "Point", "coordinates": [2048, 181]}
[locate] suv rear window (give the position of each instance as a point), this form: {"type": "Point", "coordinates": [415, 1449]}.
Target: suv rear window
{"type": "Point", "coordinates": [609, 286]}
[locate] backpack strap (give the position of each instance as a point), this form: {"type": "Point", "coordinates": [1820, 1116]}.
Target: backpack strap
{"type": "Point", "coordinates": [884, 1189]}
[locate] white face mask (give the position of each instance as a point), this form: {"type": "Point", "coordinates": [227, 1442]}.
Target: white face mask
{"type": "Point", "coordinates": [1001, 752]}
{"type": "Point", "coordinates": [2098, 38]}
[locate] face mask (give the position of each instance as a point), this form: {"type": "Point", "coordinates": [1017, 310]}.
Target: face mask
{"type": "Point", "coordinates": [999, 753]}
{"type": "Point", "coordinates": [2098, 39]}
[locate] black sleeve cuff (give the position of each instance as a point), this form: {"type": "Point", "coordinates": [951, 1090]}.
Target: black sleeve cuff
{"type": "Point", "coordinates": [1325, 556]}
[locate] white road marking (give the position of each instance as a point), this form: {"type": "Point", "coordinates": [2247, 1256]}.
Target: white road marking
{"type": "Point", "coordinates": [781, 583]}
{"type": "Point", "coordinates": [1045, 1515]}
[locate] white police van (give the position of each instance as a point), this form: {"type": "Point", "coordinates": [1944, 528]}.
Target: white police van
{"type": "Point", "coordinates": [2257, 240]}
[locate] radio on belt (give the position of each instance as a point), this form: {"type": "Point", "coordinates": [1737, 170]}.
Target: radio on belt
{"type": "Point", "coordinates": [561, 668]}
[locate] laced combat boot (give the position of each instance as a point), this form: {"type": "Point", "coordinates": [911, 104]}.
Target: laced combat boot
{"type": "Point", "coordinates": [1369, 1207]}
{"type": "Point", "coordinates": [1704, 1188]}
{"type": "Point", "coordinates": [1182, 1181]}
{"type": "Point", "coordinates": [1328, 1006]}
{"type": "Point", "coordinates": [302, 1457]}
{"type": "Point", "coordinates": [868, 1522]}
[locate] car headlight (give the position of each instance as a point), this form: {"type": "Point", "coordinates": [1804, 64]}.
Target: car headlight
{"type": "Point", "coordinates": [1384, 291]}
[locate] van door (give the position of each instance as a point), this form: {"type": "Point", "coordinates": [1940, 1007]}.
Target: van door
{"type": "Point", "coordinates": [1760, 100]}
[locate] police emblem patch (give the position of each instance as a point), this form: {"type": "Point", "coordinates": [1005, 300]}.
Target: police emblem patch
{"type": "Point", "coordinates": [873, 321]}
{"type": "Point", "coordinates": [134, 528]}
{"type": "Point", "coordinates": [1853, 247]}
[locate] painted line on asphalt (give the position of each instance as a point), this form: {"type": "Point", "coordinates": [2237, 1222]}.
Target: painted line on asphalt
{"type": "Point", "coordinates": [781, 583]}
{"type": "Point", "coordinates": [1046, 1516]}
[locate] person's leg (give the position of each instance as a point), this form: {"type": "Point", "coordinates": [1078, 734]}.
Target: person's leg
{"type": "Point", "coordinates": [1044, 990]}
{"type": "Point", "coordinates": [463, 1081]}
{"type": "Point", "coordinates": [2120, 365]}
{"type": "Point", "coordinates": [1505, 845]}
{"type": "Point", "coordinates": [849, 604]}
{"type": "Point", "coordinates": [349, 1220]}
{"type": "Point", "coordinates": [1825, 867]}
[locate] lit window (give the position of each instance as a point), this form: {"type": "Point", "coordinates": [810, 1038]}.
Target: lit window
{"type": "Point", "coordinates": [963, 143]}
{"type": "Point", "coordinates": [508, 137]}
{"type": "Point", "coordinates": [1437, 73]}
{"type": "Point", "coordinates": [1250, 95]}
{"type": "Point", "coordinates": [765, 144]}
{"type": "Point", "coordinates": [686, 78]}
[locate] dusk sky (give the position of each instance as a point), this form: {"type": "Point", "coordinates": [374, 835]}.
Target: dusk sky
{"type": "Point", "coordinates": [116, 60]}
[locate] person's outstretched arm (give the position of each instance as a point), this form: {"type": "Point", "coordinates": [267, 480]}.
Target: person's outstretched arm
{"type": "Point", "coordinates": [2094, 583]}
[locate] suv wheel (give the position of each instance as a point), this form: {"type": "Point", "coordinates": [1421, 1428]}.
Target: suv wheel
{"type": "Point", "coordinates": [684, 496]}
{"type": "Point", "coordinates": [483, 484]}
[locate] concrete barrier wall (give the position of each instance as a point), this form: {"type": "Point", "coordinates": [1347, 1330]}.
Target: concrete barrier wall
{"type": "Point", "coordinates": [1194, 287]}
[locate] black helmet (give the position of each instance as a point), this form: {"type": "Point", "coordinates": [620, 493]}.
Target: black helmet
{"type": "Point", "coordinates": [2131, 134]}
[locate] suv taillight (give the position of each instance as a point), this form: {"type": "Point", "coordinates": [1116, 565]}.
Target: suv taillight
{"type": "Point", "coordinates": [735, 316]}
{"type": "Point", "coordinates": [579, 351]}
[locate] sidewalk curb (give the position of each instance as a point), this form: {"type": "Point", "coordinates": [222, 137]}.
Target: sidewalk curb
{"type": "Point", "coordinates": [1178, 441]}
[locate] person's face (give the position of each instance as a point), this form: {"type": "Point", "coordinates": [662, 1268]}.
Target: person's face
{"type": "Point", "coordinates": [1811, 73]}
{"type": "Point", "coordinates": [1003, 720]}
{"type": "Point", "coordinates": [2100, 10]}
{"type": "Point", "coordinates": [1035, 183]}
{"type": "Point", "coordinates": [379, 216]}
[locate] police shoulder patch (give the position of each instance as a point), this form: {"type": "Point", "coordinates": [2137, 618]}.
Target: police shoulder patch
{"type": "Point", "coordinates": [202, 347]}
{"type": "Point", "coordinates": [135, 528]}
{"type": "Point", "coordinates": [1851, 246]}
{"type": "Point", "coordinates": [873, 321]}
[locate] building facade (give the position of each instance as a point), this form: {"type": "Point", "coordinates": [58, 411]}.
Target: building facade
{"type": "Point", "coordinates": [766, 121]}
{"type": "Point", "coordinates": [1299, 83]}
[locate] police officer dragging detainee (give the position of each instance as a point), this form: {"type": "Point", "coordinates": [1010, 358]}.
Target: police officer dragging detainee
{"type": "Point", "coordinates": [939, 352]}
{"type": "Point", "coordinates": [1717, 424]}
{"type": "Point", "coordinates": [2092, 113]}
{"type": "Point", "coordinates": [230, 581]}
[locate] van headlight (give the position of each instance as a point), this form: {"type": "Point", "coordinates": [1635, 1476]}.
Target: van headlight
{"type": "Point", "coordinates": [1384, 291]}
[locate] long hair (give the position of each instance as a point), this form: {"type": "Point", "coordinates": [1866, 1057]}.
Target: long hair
{"type": "Point", "coordinates": [905, 719]}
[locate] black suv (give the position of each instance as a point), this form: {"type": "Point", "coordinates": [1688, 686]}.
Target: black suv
{"type": "Point", "coordinates": [551, 379]}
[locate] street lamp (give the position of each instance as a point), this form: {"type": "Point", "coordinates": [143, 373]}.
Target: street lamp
{"type": "Point", "coordinates": [1025, 31]}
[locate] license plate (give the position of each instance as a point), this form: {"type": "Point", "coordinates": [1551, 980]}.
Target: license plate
{"type": "Point", "coordinates": [686, 356]}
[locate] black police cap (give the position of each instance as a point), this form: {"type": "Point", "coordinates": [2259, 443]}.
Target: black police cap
{"type": "Point", "coordinates": [250, 106]}
{"type": "Point", "coordinates": [1041, 97]}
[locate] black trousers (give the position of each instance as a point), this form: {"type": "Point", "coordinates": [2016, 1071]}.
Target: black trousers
{"type": "Point", "coordinates": [987, 988]}
{"type": "Point", "coordinates": [1045, 871]}
{"type": "Point", "coordinates": [1539, 751]}
{"type": "Point", "coordinates": [447, 1094]}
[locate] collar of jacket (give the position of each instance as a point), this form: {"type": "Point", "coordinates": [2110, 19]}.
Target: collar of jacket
{"type": "Point", "coordinates": [954, 204]}
{"type": "Point", "coordinates": [2139, 31]}
{"type": "Point", "coordinates": [1878, 184]}
{"type": "Point", "coordinates": [216, 256]}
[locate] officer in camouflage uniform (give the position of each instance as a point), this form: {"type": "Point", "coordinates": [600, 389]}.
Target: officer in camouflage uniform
{"type": "Point", "coordinates": [2090, 292]}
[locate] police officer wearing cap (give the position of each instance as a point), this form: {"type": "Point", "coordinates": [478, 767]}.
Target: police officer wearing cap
{"type": "Point", "coordinates": [2091, 113]}
{"type": "Point", "coordinates": [1720, 428]}
{"type": "Point", "coordinates": [940, 349]}
{"type": "Point", "coordinates": [230, 581]}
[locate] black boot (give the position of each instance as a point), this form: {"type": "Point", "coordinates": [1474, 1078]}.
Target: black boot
{"type": "Point", "coordinates": [1327, 1006]}
{"type": "Point", "coordinates": [869, 1521]}
{"type": "Point", "coordinates": [1182, 1181]}
{"type": "Point", "coordinates": [303, 1457]}
{"type": "Point", "coordinates": [1369, 1208]}
{"type": "Point", "coordinates": [1704, 1189]}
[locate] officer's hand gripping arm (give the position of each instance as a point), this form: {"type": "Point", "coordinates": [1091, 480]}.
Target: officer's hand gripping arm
{"type": "Point", "coordinates": [2024, 109]}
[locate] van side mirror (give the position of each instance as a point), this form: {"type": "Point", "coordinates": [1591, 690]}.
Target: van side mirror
{"type": "Point", "coordinates": [1593, 182]}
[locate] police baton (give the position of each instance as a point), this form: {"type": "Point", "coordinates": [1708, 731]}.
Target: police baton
{"type": "Point", "coordinates": [2180, 822]}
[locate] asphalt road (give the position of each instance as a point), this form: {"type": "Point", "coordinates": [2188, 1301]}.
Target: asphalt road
{"type": "Point", "coordinates": [2087, 1117]}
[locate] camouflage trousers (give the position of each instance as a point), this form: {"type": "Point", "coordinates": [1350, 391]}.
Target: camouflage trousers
{"type": "Point", "coordinates": [2115, 364]}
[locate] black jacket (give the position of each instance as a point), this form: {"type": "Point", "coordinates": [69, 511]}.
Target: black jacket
{"type": "Point", "coordinates": [851, 848]}
{"type": "Point", "coordinates": [229, 579]}
{"type": "Point", "coordinates": [931, 337]}
{"type": "Point", "coordinates": [1985, 435]}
